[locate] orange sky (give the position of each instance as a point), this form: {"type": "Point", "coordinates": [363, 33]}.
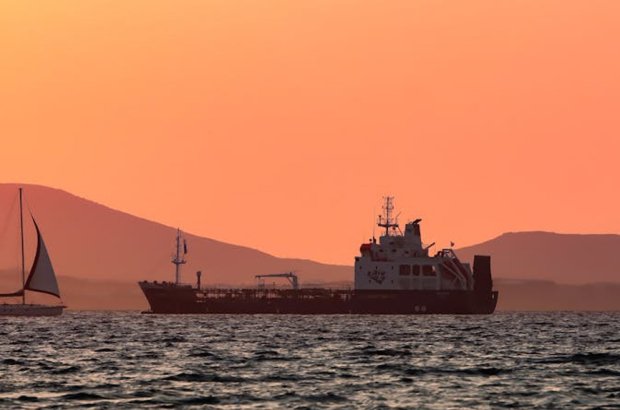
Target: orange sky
{"type": "Point", "coordinates": [280, 124]}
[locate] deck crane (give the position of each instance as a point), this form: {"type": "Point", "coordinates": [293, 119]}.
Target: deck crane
{"type": "Point", "coordinates": [292, 278]}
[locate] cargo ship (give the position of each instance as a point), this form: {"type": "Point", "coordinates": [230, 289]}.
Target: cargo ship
{"type": "Point", "coordinates": [394, 275]}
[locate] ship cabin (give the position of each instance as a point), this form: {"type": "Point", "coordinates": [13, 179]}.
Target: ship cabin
{"type": "Point", "coordinates": [400, 261]}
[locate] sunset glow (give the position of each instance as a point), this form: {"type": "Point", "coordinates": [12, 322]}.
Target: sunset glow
{"type": "Point", "coordinates": [280, 125]}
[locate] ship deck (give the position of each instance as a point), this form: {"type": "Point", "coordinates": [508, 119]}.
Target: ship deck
{"type": "Point", "coordinates": [170, 298]}
{"type": "Point", "coordinates": [275, 293]}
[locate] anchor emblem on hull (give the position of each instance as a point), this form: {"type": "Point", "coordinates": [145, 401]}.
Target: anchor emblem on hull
{"type": "Point", "coordinates": [377, 276]}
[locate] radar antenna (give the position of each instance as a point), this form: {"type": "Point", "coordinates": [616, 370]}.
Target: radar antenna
{"type": "Point", "coordinates": [386, 220]}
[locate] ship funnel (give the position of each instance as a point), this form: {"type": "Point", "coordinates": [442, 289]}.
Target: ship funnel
{"type": "Point", "coordinates": [413, 228]}
{"type": "Point", "coordinates": [483, 282]}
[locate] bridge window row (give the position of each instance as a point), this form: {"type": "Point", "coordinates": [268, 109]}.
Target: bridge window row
{"type": "Point", "coordinates": [416, 270]}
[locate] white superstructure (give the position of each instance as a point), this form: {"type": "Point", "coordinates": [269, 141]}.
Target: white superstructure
{"type": "Point", "coordinates": [399, 261]}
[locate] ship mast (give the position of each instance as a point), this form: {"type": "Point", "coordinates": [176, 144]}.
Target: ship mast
{"type": "Point", "coordinates": [387, 221]}
{"type": "Point", "coordinates": [21, 231]}
{"type": "Point", "coordinates": [179, 259]}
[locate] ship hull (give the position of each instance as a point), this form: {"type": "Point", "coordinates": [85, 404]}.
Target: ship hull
{"type": "Point", "coordinates": [172, 299]}
{"type": "Point", "coordinates": [30, 310]}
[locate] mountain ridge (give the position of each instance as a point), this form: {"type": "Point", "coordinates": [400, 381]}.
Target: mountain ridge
{"type": "Point", "coordinates": [80, 233]}
{"type": "Point", "coordinates": [100, 253]}
{"type": "Point", "coordinates": [560, 257]}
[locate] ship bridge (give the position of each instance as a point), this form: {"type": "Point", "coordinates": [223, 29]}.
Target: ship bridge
{"type": "Point", "coordinates": [401, 261]}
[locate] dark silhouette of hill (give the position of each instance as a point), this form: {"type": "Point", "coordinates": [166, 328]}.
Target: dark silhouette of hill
{"type": "Point", "coordinates": [538, 295]}
{"type": "Point", "coordinates": [561, 258]}
{"type": "Point", "coordinates": [99, 254]}
{"type": "Point", "coordinates": [91, 241]}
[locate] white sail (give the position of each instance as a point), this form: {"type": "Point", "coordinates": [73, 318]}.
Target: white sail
{"type": "Point", "coordinates": [42, 277]}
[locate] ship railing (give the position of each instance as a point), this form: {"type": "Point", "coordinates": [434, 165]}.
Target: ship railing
{"type": "Point", "coordinates": [269, 293]}
{"type": "Point", "coordinates": [447, 253]}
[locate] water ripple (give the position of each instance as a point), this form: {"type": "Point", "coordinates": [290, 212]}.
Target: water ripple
{"type": "Point", "coordinates": [128, 360]}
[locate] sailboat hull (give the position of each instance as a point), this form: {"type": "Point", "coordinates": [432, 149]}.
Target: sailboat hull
{"type": "Point", "coordinates": [30, 310]}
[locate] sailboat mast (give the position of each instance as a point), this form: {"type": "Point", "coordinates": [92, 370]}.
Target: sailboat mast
{"type": "Point", "coordinates": [21, 230]}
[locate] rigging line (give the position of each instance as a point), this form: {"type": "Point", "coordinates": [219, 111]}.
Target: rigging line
{"type": "Point", "coordinates": [27, 206]}
{"type": "Point", "coordinates": [9, 215]}
{"type": "Point", "coordinates": [11, 246]}
{"type": "Point", "coordinates": [29, 221]}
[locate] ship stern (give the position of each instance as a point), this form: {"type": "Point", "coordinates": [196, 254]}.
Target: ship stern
{"type": "Point", "coordinates": [484, 297]}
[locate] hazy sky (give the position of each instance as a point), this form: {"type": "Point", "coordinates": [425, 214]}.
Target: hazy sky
{"type": "Point", "coordinates": [281, 124]}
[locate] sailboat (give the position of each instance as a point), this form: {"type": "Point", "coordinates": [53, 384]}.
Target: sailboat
{"type": "Point", "coordinates": [41, 279]}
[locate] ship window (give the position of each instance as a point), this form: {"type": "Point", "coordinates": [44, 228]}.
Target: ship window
{"type": "Point", "coordinates": [405, 270]}
{"type": "Point", "coordinates": [427, 270]}
{"type": "Point", "coordinates": [415, 270]}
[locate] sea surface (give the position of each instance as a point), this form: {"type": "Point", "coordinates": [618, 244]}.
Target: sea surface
{"type": "Point", "coordinates": [128, 360]}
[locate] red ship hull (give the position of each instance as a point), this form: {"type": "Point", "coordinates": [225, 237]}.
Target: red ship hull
{"type": "Point", "coordinates": [182, 299]}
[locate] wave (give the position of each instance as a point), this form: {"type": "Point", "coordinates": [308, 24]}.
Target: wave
{"type": "Point", "coordinates": [82, 396]}
{"type": "Point", "coordinates": [326, 398]}
{"type": "Point", "coordinates": [282, 378]}
{"type": "Point", "coordinates": [104, 350]}
{"type": "Point", "coordinates": [13, 362]}
{"type": "Point", "coordinates": [203, 353]}
{"type": "Point", "coordinates": [272, 355]}
{"type": "Point", "coordinates": [408, 370]}
{"type": "Point", "coordinates": [197, 401]}
{"type": "Point", "coordinates": [583, 358]}
{"type": "Point", "coordinates": [202, 378]}
{"type": "Point", "coordinates": [605, 372]}
{"type": "Point", "coordinates": [65, 370]}
{"type": "Point", "coordinates": [373, 351]}
{"type": "Point", "coordinates": [28, 398]}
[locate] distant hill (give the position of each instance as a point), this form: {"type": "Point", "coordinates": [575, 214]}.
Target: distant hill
{"type": "Point", "coordinates": [536, 295]}
{"type": "Point", "coordinates": [100, 253]}
{"type": "Point", "coordinates": [561, 258]}
{"type": "Point", "coordinates": [90, 241]}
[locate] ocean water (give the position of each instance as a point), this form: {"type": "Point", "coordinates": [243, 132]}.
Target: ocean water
{"type": "Point", "coordinates": [129, 360]}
